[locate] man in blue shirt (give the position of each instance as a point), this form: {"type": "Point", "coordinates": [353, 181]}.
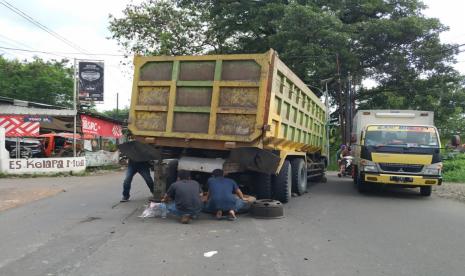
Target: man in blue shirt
{"type": "Point", "coordinates": [222, 193]}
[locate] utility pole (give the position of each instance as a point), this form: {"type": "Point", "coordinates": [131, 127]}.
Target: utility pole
{"type": "Point", "coordinates": [326, 95]}
{"type": "Point", "coordinates": [348, 113]}
{"type": "Point", "coordinates": [75, 108]}
{"type": "Point", "coordinates": [117, 104]}
{"type": "Point", "coordinates": [327, 121]}
{"type": "Point", "coordinates": [340, 101]}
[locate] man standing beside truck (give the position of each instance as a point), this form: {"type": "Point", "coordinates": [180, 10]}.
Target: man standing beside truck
{"type": "Point", "coordinates": [143, 168]}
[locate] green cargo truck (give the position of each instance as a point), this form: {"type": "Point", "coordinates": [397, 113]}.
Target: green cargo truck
{"type": "Point", "coordinates": [247, 114]}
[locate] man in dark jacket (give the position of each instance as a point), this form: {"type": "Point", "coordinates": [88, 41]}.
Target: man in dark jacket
{"type": "Point", "coordinates": [143, 168]}
{"type": "Point", "coordinates": [186, 194]}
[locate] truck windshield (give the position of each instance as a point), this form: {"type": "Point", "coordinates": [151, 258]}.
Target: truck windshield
{"type": "Point", "coordinates": [410, 136]}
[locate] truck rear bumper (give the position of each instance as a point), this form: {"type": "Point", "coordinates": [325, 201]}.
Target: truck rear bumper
{"type": "Point", "coordinates": [400, 179]}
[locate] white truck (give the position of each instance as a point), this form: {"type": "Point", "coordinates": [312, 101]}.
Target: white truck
{"type": "Point", "coordinates": [396, 147]}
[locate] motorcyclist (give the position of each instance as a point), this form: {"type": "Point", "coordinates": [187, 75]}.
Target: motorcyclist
{"type": "Point", "coordinates": [343, 152]}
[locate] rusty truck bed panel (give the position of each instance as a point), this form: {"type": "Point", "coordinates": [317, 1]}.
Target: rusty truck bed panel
{"type": "Point", "coordinates": [236, 99]}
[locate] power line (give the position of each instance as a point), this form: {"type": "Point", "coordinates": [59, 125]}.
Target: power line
{"type": "Point", "coordinates": [43, 27]}
{"type": "Point", "coordinates": [14, 43]}
{"type": "Point", "coordinates": [60, 53]}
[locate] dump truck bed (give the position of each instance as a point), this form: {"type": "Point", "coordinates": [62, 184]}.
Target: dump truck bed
{"type": "Point", "coordinates": [224, 101]}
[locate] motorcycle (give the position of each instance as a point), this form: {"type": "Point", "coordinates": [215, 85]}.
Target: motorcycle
{"type": "Point", "coordinates": [347, 161]}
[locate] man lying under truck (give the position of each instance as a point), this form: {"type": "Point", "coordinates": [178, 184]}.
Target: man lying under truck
{"type": "Point", "coordinates": [221, 198]}
{"type": "Point", "coordinates": [186, 194]}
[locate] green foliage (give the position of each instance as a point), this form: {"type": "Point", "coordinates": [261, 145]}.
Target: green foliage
{"type": "Point", "coordinates": [158, 28]}
{"type": "Point", "coordinates": [454, 169]}
{"type": "Point", "coordinates": [389, 41]}
{"type": "Point", "coordinates": [121, 114]}
{"type": "Point", "coordinates": [49, 82]}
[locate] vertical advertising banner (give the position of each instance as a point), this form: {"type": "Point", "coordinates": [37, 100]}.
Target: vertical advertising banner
{"type": "Point", "coordinates": [90, 81]}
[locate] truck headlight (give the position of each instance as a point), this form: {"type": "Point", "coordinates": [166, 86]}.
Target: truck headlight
{"type": "Point", "coordinates": [368, 166]}
{"type": "Point", "coordinates": [433, 169]}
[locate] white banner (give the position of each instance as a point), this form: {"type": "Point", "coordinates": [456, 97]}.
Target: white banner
{"type": "Point", "coordinates": [44, 165]}
{"type": "Point", "coordinates": [101, 158]}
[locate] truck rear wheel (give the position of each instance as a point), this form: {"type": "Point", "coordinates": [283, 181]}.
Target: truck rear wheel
{"type": "Point", "coordinates": [299, 176]}
{"type": "Point", "coordinates": [426, 190]}
{"type": "Point", "coordinates": [262, 185]}
{"type": "Point", "coordinates": [282, 183]}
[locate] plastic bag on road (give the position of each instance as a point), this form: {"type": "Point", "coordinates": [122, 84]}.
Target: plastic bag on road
{"type": "Point", "coordinates": [154, 210]}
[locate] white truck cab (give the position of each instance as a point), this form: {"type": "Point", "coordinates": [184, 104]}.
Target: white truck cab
{"type": "Point", "coordinates": [396, 147]}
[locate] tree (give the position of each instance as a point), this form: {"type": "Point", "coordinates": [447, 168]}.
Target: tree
{"type": "Point", "coordinates": [389, 41]}
{"type": "Point", "coordinates": [121, 114]}
{"type": "Point", "coordinates": [48, 82]}
{"type": "Point", "coordinates": [158, 28]}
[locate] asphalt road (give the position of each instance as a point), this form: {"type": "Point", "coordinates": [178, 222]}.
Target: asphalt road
{"type": "Point", "coordinates": [332, 230]}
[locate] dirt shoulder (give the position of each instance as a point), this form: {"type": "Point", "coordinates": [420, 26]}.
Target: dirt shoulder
{"type": "Point", "coordinates": [454, 191]}
{"type": "Point", "coordinates": [13, 197]}
{"type": "Point", "coordinates": [19, 190]}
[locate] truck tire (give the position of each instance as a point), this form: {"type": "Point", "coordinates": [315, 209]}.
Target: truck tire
{"type": "Point", "coordinates": [282, 183]}
{"type": "Point", "coordinates": [425, 190]}
{"type": "Point", "coordinates": [299, 176]}
{"type": "Point", "coordinates": [262, 185]}
{"type": "Point", "coordinates": [355, 176]}
{"type": "Point", "coordinates": [171, 173]}
{"type": "Point", "coordinates": [360, 184]}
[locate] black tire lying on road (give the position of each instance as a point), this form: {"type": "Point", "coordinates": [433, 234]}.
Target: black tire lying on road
{"type": "Point", "coordinates": [299, 176]}
{"type": "Point", "coordinates": [282, 183]}
{"type": "Point", "coordinates": [267, 208]}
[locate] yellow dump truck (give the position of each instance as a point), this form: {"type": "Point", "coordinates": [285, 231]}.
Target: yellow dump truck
{"type": "Point", "coordinates": [247, 114]}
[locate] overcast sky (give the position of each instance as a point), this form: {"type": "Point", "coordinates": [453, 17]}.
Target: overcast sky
{"type": "Point", "coordinates": [85, 22]}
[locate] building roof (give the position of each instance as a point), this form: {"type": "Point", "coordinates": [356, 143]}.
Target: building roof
{"type": "Point", "coordinates": [12, 106]}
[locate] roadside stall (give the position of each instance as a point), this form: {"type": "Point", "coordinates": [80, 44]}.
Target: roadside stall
{"type": "Point", "coordinates": [34, 131]}
{"type": "Point", "coordinates": [101, 150]}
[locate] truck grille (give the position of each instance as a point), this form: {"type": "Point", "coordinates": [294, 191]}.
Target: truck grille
{"type": "Point", "coordinates": [392, 167]}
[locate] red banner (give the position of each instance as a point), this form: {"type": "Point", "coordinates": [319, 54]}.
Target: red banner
{"type": "Point", "coordinates": [15, 126]}
{"type": "Point", "coordinates": [99, 127]}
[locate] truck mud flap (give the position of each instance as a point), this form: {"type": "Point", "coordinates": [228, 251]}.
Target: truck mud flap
{"type": "Point", "coordinates": [255, 159]}
{"type": "Point", "coordinates": [139, 152]}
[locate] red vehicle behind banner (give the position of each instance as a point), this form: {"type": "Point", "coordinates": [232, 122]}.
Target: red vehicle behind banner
{"type": "Point", "coordinates": [61, 144]}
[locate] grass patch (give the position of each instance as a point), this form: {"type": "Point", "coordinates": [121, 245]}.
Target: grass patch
{"type": "Point", "coordinates": [333, 166]}
{"type": "Point", "coordinates": [454, 169]}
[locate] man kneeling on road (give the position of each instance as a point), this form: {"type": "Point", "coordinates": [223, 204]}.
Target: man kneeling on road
{"type": "Point", "coordinates": [186, 194]}
{"type": "Point", "coordinates": [221, 198]}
